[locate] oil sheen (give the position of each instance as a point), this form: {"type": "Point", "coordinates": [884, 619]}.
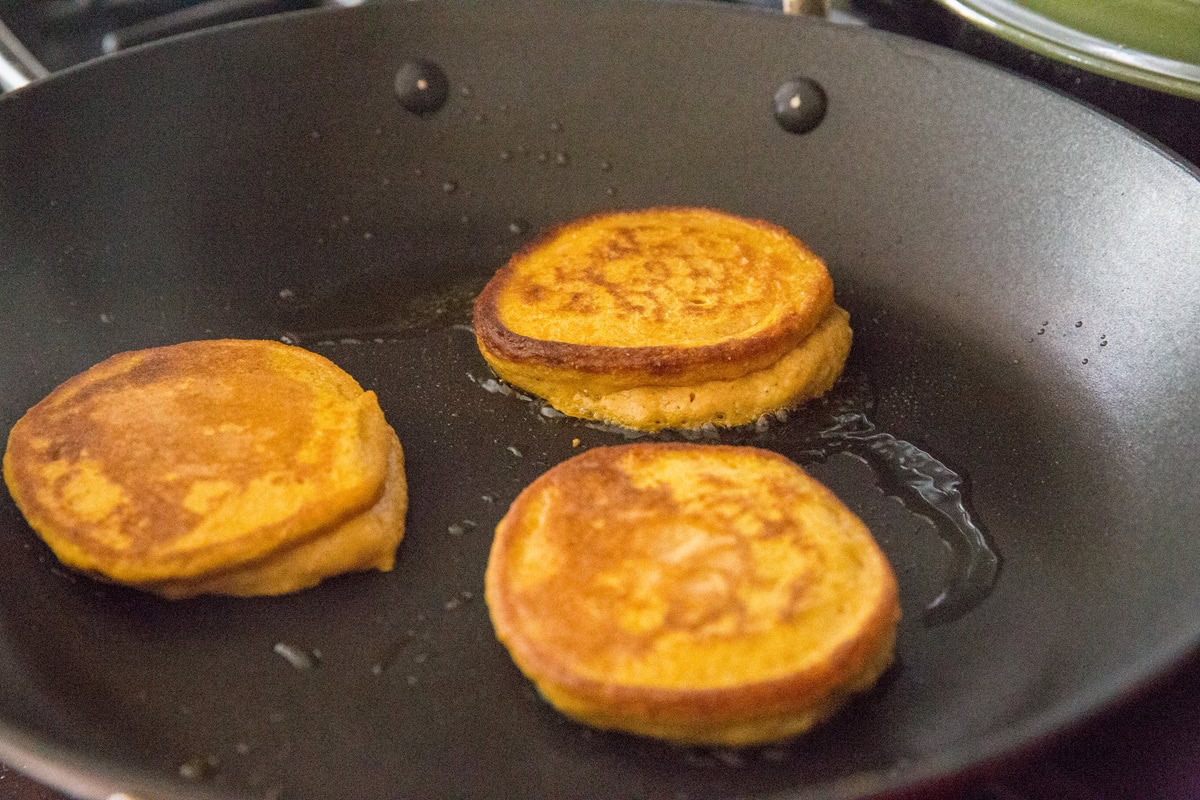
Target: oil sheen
{"type": "Point", "coordinates": [838, 423]}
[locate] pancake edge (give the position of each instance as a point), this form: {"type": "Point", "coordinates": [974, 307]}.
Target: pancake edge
{"type": "Point", "coordinates": [640, 365]}
{"type": "Point", "coordinates": [755, 712]}
{"type": "Point", "coordinates": [801, 374]}
{"type": "Point", "coordinates": [349, 504]}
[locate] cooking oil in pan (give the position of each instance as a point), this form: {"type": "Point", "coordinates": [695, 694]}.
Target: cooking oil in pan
{"type": "Point", "coordinates": [838, 423]}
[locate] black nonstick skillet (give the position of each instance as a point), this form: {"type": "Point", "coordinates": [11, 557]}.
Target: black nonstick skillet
{"type": "Point", "coordinates": [1018, 423]}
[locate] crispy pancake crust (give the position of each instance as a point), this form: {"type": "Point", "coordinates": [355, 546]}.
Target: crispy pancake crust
{"type": "Point", "coordinates": [171, 463]}
{"type": "Point", "coordinates": [704, 594]}
{"type": "Point", "coordinates": [366, 541]}
{"type": "Point", "coordinates": [664, 297]}
{"type": "Point", "coordinates": [802, 374]}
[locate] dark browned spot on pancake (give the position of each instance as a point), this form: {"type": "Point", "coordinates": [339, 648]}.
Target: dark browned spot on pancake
{"type": "Point", "coordinates": [532, 292]}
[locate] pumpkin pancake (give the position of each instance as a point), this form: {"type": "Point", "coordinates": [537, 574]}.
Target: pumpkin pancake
{"type": "Point", "coordinates": [701, 594]}
{"type": "Point", "coordinates": [227, 466]}
{"type": "Point", "coordinates": [665, 318]}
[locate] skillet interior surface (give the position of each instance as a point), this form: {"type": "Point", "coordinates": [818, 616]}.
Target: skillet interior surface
{"type": "Point", "coordinates": [1020, 273]}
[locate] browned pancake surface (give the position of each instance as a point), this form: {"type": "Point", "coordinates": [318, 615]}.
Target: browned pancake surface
{"type": "Point", "coordinates": [701, 593]}
{"type": "Point", "coordinates": [175, 461]}
{"type": "Point", "coordinates": [664, 292]}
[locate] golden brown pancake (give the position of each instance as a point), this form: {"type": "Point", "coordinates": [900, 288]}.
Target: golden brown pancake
{"type": "Point", "coordinates": [227, 466]}
{"type": "Point", "coordinates": [702, 594]}
{"type": "Point", "coordinates": [665, 317]}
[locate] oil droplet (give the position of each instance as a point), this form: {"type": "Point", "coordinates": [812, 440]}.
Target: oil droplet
{"type": "Point", "coordinates": [456, 530]}
{"type": "Point", "coordinates": [289, 338]}
{"type": "Point", "coordinates": [199, 767]}
{"type": "Point", "coordinates": [449, 187]}
{"type": "Point", "coordinates": [518, 227]}
{"type": "Point", "coordinates": [295, 656]}
{"type": "Point", "coordinates": [286, 294]}
{"type": "Point", "coordinates": [106, 318]}
{"type": "Point", "coordinates": [495, 387]}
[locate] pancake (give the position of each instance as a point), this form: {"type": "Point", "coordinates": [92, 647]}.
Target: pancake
{"type": "Point", "coordinates": [226, 466]}
{"type": "Point", "coordinates": [665, 318]}
{"type": "Point", "coordinates": [700, 594]}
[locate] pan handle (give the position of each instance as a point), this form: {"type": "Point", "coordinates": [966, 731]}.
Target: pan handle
{"type": "Point", "coordinates": [18, 66]}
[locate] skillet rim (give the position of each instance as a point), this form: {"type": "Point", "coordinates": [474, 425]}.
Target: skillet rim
{"type": "Point", "coordinates": [105, 779]}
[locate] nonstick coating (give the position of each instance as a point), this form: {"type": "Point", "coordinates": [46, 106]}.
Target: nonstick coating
{"type": "Point", "coordinates": [1021, 274]}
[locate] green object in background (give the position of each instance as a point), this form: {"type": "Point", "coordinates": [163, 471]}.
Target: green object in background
{"type": "Point", "coordinates": [1168, 28]}
{"type": "Point", "coordinates": [1153, 43]}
